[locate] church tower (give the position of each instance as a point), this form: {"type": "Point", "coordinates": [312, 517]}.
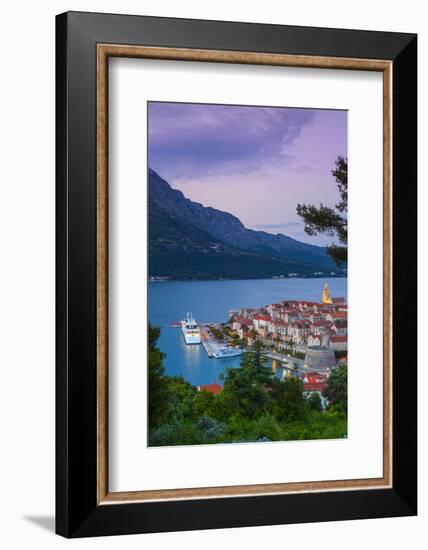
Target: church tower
{"type": "Point", "coordinates": [326, 295]}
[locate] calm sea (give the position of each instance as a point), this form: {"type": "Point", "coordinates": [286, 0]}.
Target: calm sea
{"type": "Point", "coordinates": [210, 301]}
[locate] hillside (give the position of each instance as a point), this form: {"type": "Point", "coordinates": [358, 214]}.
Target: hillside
{"type": "Point", "coordinates": [182, 251]}
{"type": "Point", "coordinates": [190, 241]}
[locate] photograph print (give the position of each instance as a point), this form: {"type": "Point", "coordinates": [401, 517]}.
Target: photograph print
{"type": "Point", "coordinates": [247, 274]}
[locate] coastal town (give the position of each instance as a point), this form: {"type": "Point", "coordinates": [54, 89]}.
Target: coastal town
{"type": "Point", "coordinates": [295, 323]}
{"type": "Point", "coordinates": [302, 338]}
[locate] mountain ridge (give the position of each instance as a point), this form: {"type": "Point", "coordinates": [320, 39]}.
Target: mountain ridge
{"type": "Point", "coordinates": [226, 234]}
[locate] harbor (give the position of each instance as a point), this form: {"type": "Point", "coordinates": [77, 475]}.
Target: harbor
{"type": "Point", "coordinates": [218, 343]}
{"type": "Point", "coordinates": [211, 303]}
{"type": "Point", "coordinates": [300, 335]}
{"type": "Point", "coordinates": [216, 349]}
{"type": "Point", "coordinates": [202, 333]}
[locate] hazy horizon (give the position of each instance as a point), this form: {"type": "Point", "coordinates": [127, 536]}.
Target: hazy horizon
{"type": "Point", "coordinates": [255, 162]}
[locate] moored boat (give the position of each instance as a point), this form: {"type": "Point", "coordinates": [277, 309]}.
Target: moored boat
{"type": "Point", "coordinates": [191, 330]}
{"type": "Point", "coordinates": [223, 353]}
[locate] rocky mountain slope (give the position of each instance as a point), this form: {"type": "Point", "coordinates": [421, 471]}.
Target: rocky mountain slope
{"type": "Point", "coordinates": [189, 240]}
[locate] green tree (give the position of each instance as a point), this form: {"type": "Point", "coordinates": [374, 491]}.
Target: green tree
{"type": "Point", "coordinates": [245, 388]}
{"type": "Point", "coordinates": [267, 427]}
{"type": "Point", "coordinates": [176, 432]}
{"type": "Point", "coordinates": [288, 400]}
{"type": "Point", "coordinates": [234, 341]}
{"type": "Point", "coordinates": [255, 360]}
{"type": "Point", "coordinates": [182, 398]}
{"type": "Point", "coordinates": [242, 394]}
{"type": "Point", "coordinates": [313, 402]}
{"type": "Point", "coordinates": [159, 393]}
{"type": "Point", "coordinates": [204, 404]}
{"type": "Point", "coordinates": [210, 428]}
{"type": "Point", "coordinates": [337, 388]}
{"type": "Point", "coordinates": [325, 219]}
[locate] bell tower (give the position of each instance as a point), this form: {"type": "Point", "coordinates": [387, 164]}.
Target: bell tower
{"type": "Point", "coordinates": [326, 299]}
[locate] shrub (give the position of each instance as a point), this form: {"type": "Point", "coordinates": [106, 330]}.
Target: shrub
{"type": "Point", "coordinates": [267, 427]}
{"type": "Point", "coordinates": [211, 428]}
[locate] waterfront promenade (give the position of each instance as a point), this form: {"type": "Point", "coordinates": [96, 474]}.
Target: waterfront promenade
{"type": "Point", "coordinates": [291, 361]}
{"type": "Point", "coordinates": [217, 349]}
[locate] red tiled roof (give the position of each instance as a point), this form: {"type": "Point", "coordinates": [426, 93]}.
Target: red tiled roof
{"type": "Point", "coordinates": [338, 339]}
{"type": "Point", "coordinates": [339, 315]}
{"type": "Point", "coordinates": [315, 373]}
{"type": "Point", "coordinates": [314, 380]}
{"type": "Point", "coordinates": [211, 388]}
{"type": "Point", "coordinates": [243, 321]}
{"type": "Point", "coordinates": [314, 387]}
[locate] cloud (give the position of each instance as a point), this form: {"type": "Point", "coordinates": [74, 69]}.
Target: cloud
{"type": "Point", "coordinates": [255, 162]}
{"type": "Point", "coordinates": [198, 139]}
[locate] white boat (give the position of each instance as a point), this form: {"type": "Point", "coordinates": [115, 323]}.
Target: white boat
{"type": "Point", "coordinates": [191, 330]}
{"type": "Point", "coordinates": [227, 352]}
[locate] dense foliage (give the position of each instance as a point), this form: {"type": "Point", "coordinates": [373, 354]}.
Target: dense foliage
{"type": "Point", "coordinates": [337, 389]}
{"type": "Point", "coordinates": [254, 405]}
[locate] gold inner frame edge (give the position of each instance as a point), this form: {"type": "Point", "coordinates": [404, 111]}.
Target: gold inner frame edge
{"type": "Point", "coordinates": [104, 52]}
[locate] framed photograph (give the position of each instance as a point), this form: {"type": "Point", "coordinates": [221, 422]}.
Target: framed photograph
{"type": "Point", "coordinates": [236, 244]}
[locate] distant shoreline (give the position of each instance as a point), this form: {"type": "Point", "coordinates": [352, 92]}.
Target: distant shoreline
{"type": "Point", "coordinates": [220, 279]}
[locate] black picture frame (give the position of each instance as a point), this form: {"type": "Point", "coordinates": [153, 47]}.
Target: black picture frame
{"type": "Point", "coordinates": [77, 511]}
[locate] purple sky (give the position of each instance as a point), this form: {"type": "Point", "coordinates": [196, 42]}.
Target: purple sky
{"type": "Point", "coordinates": [254, 162]}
